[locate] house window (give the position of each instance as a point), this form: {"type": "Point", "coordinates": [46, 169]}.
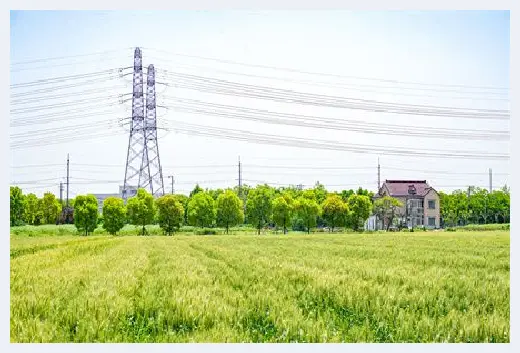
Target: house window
{"type": "Point", "coordinates": [431, 221]}
{"type": "Point", "coordinates": [431, 204]}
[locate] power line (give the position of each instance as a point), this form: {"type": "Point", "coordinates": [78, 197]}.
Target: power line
{"type": "Point", "coordinates": [59, 79]}
{"type": "Point", "coordinates": [345, 86]}
{"type": "Point", "coordinates": [325, 74]}
{"type": "Point", "coordinates": [264, 116]}
{"type": "Point", "coordinates": [67, 57]}
{"type": "Point", "coordinates": [241, 135]}
{"type": "Point", "coordinates": [223, 87]}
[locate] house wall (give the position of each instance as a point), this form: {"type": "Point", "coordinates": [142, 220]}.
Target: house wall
{"type": "Point", "coordinates": [436, 212]}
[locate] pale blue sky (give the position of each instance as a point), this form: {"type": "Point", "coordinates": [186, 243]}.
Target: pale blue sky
{"type": "Point", "coordinates": [467, 48]}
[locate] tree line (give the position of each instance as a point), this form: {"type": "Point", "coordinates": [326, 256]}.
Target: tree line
{"type": "Point", "coordinates": [475, 206]}
{"type": "Point", "coordinates": [262, 206]}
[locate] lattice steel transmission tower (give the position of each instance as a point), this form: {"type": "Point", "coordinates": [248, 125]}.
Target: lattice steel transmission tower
{"type": "Point", "coordinates": [151, 177]}
{"type": "Point", "coordinates": [143, 167]}
{"type": "Point", "coordinates": [136, 141]}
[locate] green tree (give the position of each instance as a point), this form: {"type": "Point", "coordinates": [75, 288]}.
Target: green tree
{"type": "Point", "coordinates": [320, 193]}
{"type": "Point", "coordinates": [282, 211]}
{"type": "Point", "coordinates": [32, 210]}
{"type": "Point", "coordinates": [230, 210]}
{"type": "Point", "coordinates": [201, 210]}
{"type": "Point", "coordinates": [259, 206]}
{"type": "Point", "coordinates": [386, 209]}
{"type": "Point", "coordinates": [183, 199]}
{"type": "Point", "coordinates": [51, 208]}
{"type": "Point", "coordinates": [86, 213]}
{"type": "Point", "coordinates": [141, 209]}
{"type": "Point", "coordinates": [215, 193]}
{"type": "Point", "coordinates": [114, 214]}
{"type": "Point", "coordinates": [170, 213]}
{"type": "Point", "coordinates": [335, 211]}
{"type": "Point", "coordinates": [345, 194]}
{"type": "Point", "coordinates": [359, 210]}
{"type": "Point", "coordinates": [196, 190]}
{"type": "Point", "coordinates": [17, 205]}
{"type": "Point", "coordinates": [308, 210]}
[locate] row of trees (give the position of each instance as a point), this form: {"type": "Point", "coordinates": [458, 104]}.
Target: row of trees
{"type": "Point", "coordinates": [29, 209]}
{"type": "Point", "coordinates": [264, 206]}
{"type": "Point", "coordinates": [475, 206]}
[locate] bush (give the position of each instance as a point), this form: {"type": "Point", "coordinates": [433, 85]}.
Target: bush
{"type": "Point", "coordinates": [485, 227]}
{"type": "Point", "coordinates": [206, 231]}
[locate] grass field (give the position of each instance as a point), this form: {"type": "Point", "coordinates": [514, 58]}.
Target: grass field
{"type": "Point", "coordinates": [422, 287]}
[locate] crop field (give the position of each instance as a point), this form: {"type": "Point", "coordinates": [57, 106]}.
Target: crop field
{"type": "Point", "coordinates": [401, 287]}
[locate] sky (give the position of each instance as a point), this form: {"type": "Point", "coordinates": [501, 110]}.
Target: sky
{"type": "Point", "coordinates": [430, 58]}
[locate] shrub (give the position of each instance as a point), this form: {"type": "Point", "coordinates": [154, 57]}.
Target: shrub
{"type": "Point", "coordinates": [206, 231]}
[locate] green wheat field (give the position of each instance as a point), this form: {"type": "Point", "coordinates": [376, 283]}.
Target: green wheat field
{"type": "Point", "coordinates": [402, 287]}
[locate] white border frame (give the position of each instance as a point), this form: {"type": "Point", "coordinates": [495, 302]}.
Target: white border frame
{"type": "Point", "coordinates": [511, 5]}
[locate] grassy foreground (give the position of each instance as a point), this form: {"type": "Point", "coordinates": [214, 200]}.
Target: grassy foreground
{"type": "Point", "coordinates": [422, 287]}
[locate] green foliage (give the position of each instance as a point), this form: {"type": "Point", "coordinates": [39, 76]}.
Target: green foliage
{"type": "Point", "coordinates": [475, 205]}
{"type": "Point", "coordinates": [387, 209]}
{"type": "Point", "coordinates": [201, 210]}
{"type": "Point", "coordinates": [360, 208]}
{"type": "Point", "coordinates": [307, 210]}
{"type": "Point", "coordinates": [33, 212]}
{"type": "Point", "coordinates": [114, 214]}
{"type": "Point", "coordinates": [229, 210]}
{"type": "Point", "coordinates": [206, 231]}
{"type": "Point", "coordinates": [259, 206]}
{"type": "Point", "coordinates": [214, 193]}
{"type": "Point", "coordinates": [282, 211]}
{"type": "Point", "coordinates": [170, 213]}
{"type": "Point", "coordinates": [320, 193]}
{"type": "Point", "coordinates": [51, 208]}
{"type": "Point", "coordinates": [335, 211]}
{"type": "Point", "coordinates": [17, 205]}
{"type": "Point", "coordinates": [196, 190]}
{"type": "Point", "coordinates": [86, 213]}
{"type": "Point", "coordinates": [183, 199]}
{"type": "Point", "coordinates": [141, 209]}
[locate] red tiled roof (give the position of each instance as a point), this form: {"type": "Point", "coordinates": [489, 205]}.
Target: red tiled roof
{"type": "Point", "coordinates": [400, 187]}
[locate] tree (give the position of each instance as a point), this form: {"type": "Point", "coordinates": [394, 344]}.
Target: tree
{"type": "Point", "coordinates": [307, 210]}
{"type": "Point", "coordinates": [387, 208]}
{"type": "Point", "coordinates": [230, 210]}
{"type": "Point", "coordinates": [282, 211]}
{"type": "Point", "coordinates": [114, 214]}
{"type": "Point", "coordinates": [201, 210]}
{"type": "Point", "coordinates": [215, 193]}
{"type": "Point", "coordinates": [259, 207]}
{"type": "Point", "coordinates": [17, 205]}
{"type": "Point", "coordinates": [183, 199]}
{"type": "Point", "coordinates": [32, 210]}
{"type": "Point", "coordinates": [345, 194]}
{"type": "Point", "coordinates": [320, 193]}
{"type": "Point", "coordinates": [141, 209]}
{"type": "Point", "coordinates": [196, 190]}
{"type": "Point", "coordinates": [170, 213]}
{"type": "Point", "coordinates": [359, 210]}
{"type": "Point", "coordinates": [86, 213]}
{"type": "Point", "coordinates": [335, 211]}
{"type": "Point", "coordinates": [51, 208]}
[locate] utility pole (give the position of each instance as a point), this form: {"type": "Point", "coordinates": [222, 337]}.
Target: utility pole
{"type": "Point", "coordinates": [61, 193]}
{"type": "Point", "coordinates": [378, 175]}
{"type": "Point", "coordinates": [173, 180]}
{"type": "Point", "coordinates": [67, 180]}
{"type": "Point", "coordinates": [490, 181]}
